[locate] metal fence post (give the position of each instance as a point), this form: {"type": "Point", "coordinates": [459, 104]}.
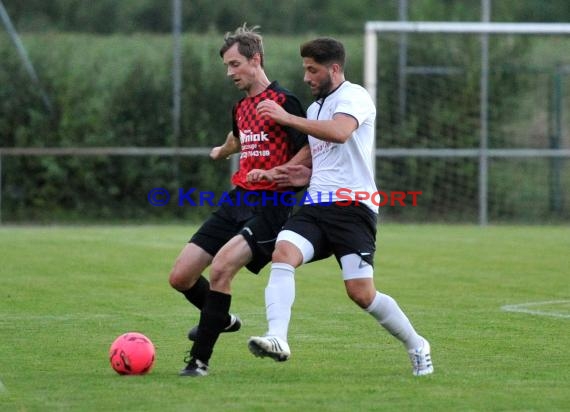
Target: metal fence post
{"type": "Point", "coordinates": [555, 135]}
{"type": "Point", "coordinates": [484, 117]}
{"type": "Point", "coordinates": [176, 85]}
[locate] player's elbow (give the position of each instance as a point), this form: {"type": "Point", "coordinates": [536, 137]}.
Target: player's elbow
{"type": "Point", "coordinates": [342, 127]}
{"type": "Point", "coordinates": [340, 137]}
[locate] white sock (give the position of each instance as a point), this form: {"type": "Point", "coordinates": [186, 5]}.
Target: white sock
{"type": "Point", "coordinates": [389, 315]}
{"type": "Point", "coordinates": [279, 298]}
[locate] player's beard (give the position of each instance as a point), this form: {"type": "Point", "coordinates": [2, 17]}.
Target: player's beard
{"type": "Point", "coordinates": [324, 88]}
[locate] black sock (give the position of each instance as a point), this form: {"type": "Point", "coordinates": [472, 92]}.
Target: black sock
{"type": "Point", "coordinates": [213, 319]}
{"type": "Point", "coordinates": [196, 295]}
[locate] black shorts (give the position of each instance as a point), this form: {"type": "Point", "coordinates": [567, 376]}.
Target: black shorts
{"type": "Point", "coordinates": [259, 224]}
{"type": "Point", "coordinates": [335, 229]}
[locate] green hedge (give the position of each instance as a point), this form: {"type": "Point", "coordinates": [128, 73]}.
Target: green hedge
{"type": "Point", "coordinates": [275, 17]}
{"type": "Point", "coordinates": [117, 91]}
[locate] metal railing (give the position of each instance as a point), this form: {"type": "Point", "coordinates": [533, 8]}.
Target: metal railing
{"type": "Point", "coordinates": [204, 152]}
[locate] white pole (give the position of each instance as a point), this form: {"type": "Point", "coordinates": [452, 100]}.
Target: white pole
{"type": "Point", "coordinates": [370, 64]}
{"type": "Point", "coordinates": [467, 27]}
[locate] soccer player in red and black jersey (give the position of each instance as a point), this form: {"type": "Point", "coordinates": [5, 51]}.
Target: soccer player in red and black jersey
{"type": "Point", "coordinates": [243, 230]}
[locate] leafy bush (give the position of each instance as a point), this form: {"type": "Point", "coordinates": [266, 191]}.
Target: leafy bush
{"type": "Point", "coordinates": [117, 91]}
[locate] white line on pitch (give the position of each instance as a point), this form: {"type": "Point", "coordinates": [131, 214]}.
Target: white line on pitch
{"type": "Point", "coordinates": [524, 308]}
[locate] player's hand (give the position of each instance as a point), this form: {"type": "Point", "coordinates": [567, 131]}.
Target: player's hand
{"type": "Point", "coordinates": [216, 153]}
{"type": "Point", "coordinates": [257, 175]}
{"type": "Point", "coordinates": [272, 109]}
{"type": "Point", "coordinates": [287, 176]}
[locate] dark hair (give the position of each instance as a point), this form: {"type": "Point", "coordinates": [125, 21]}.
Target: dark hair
{"type": "Point", "coordinates": [324, 50]}
{"type": "Point", "coordinates": [248, 39]}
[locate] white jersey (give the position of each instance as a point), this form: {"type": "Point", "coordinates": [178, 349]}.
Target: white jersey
{"type": "Point", "coordinates": [344, 168]}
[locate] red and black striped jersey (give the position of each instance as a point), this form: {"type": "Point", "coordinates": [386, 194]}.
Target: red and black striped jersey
{"type": "Point", "coordinates": [265, 144]}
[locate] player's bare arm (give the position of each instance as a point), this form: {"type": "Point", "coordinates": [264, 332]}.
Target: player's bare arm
{"type": "Point", "coordinates": [294, 175]}
{"type": "Point", "coordinates": [337, 130]}
{"type": "Point", "coordinates": [278, 174]}
{"type": "Point", "coordinates": [230, 146]}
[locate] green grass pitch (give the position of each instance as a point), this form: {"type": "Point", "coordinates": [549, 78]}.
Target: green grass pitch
{"type": "Point", "coordinates": [494, 302]}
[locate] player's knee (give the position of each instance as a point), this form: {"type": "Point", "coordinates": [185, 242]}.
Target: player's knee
{"type": "Point", "coordinates": [285, 252]}
{"type": "Point", "coordinates": [359, 297]}
{"type": "Point", "coordinates": [221, 275]}
{"type": "Point", "coordinates": [278, 255]}
{"type": "Point", "coordinates": [361, 292]}
{"type": "Point", "coordinates": [181, 279]}
{"type": "Point", "coordinates": [218, 271]}
{"type": "Point", "coordinates": [175, 280]}
{"type": "Point", "coordinates": [178, 280]}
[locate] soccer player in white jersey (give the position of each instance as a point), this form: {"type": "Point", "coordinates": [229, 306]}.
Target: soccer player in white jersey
{"type": "Point", "coordinates": [340, 125]}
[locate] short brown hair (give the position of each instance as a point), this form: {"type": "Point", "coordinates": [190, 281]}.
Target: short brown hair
{"type": "Point", "coordinates": [248, 39]}
{"type": "Point", "coordinates": [324, 50]}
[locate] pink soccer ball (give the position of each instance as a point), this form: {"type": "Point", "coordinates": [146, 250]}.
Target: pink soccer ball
{"type": "Point", "coordinates": [132, 354]}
